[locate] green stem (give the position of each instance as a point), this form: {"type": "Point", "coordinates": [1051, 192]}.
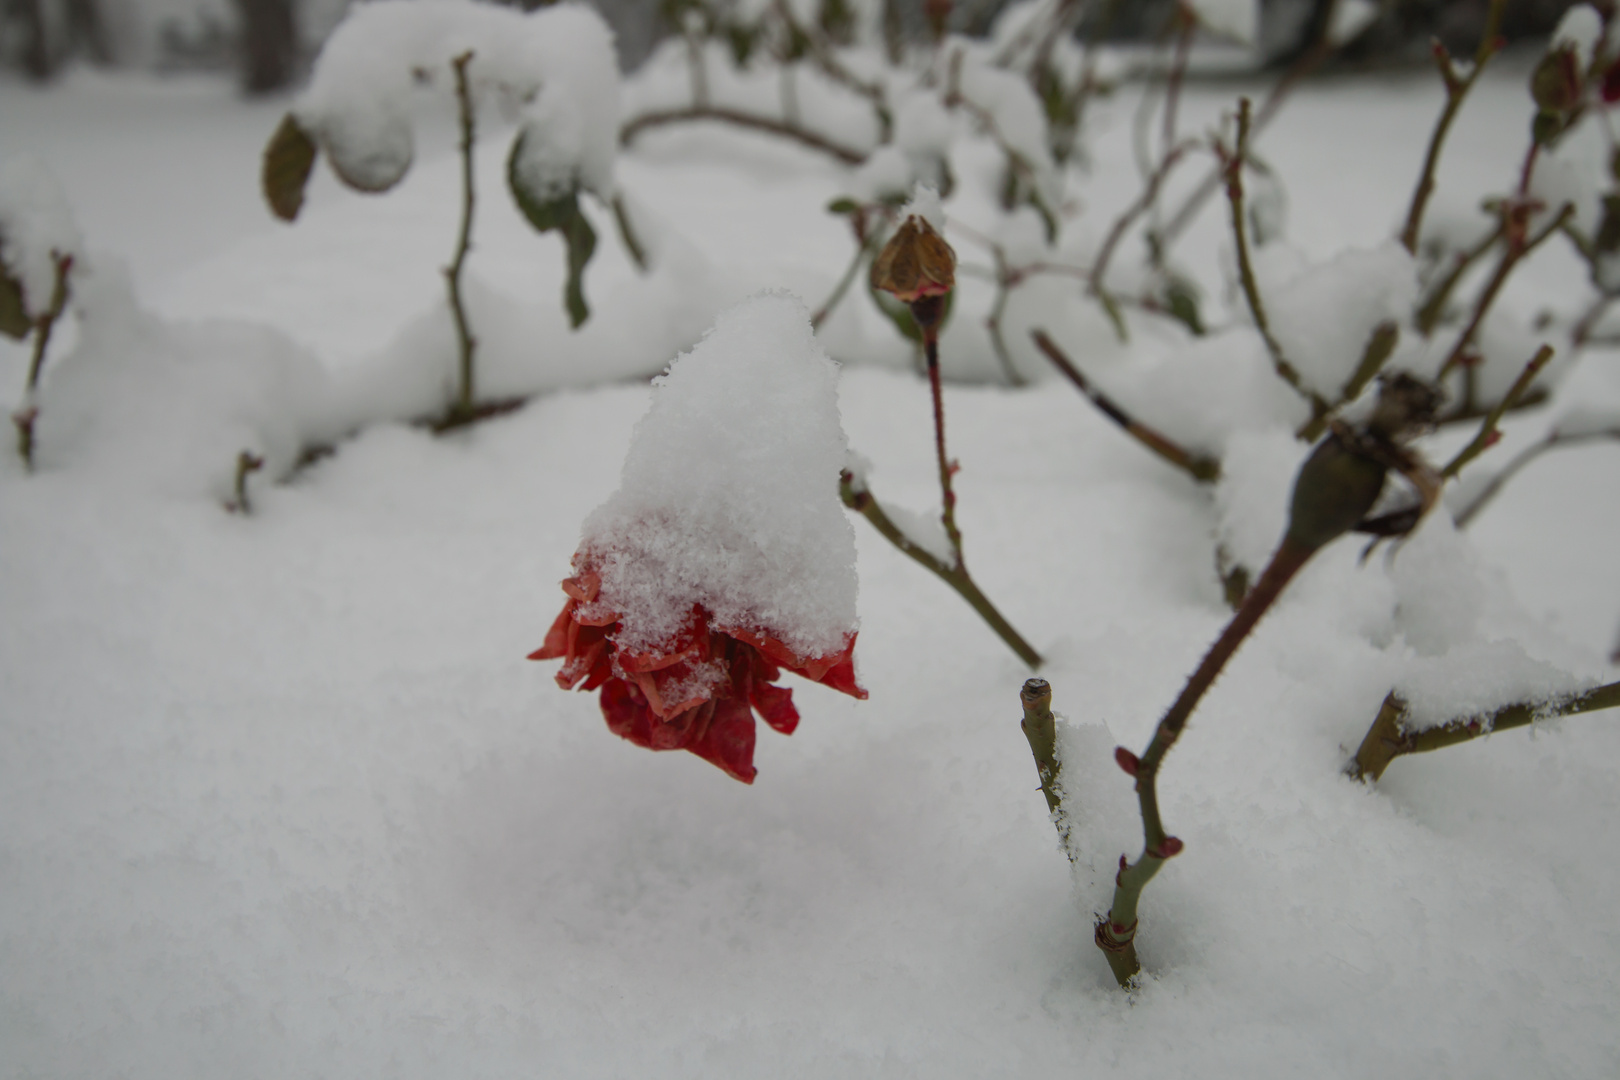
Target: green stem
{"type": "Point", "coordinates": [1389, 738]}
{"type": "Point", "coordinates": [1428, 316]}
{"type": "Point", "coordinates": [1040, 729]}
{"type": "Point", "coordinates": [627, 233]}
{"type": "Point", "coordinates": [465, 342]}
{"type": "Point", "coordinates": [956, 576]}
{"type": "Point", "coordinates": [1205, 470]}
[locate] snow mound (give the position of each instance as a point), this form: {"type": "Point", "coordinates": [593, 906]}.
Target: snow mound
{"type": "Point", "coordinates": [729, 495]}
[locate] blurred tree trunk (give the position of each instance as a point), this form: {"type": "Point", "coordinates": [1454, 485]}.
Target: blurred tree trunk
{"type": "Point", "coordinates": [269, 44]}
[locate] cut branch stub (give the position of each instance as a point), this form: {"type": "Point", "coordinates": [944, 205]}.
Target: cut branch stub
{"type": "Point", "coordinates": [289, 158]}
{"type": "Point", "coordinates": [548, 211]}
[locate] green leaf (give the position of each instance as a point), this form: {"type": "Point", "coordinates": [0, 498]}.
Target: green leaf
{"type": "Point", "coordinates": [554, 213]}
{"type": "Point", "coordinates": [1181, 299]}
{"type": "Point", "coordinates": [288, 161]}
{"type": "Point", "coordinates": [14, 320]}
{"type": "Point", "coordinates": [843, 206]}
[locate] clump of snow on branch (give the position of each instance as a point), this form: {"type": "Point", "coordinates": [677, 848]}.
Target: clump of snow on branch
{"type": "Point", "coordinates": [729, 495]}
{"type": "Point", "coordinates": [1324, 317]}
{"type": "Point", "coordinates": [555, 68]}
{"type": "Point", "coordinates": [1098, 815]}
{"type": "Point", "coordinates": [166, 406]}
{"type": "Point", "coordinates": [1470, 646]}
{"type": "Point", "coordinates": [36, 228]}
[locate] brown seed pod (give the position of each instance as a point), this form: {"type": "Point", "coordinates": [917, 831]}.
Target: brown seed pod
{"type": "Point", "coordinates": [916, 262]}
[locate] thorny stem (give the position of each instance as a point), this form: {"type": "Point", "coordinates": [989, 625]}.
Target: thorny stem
{"type": "Point", "coordinates": [1516, 251]}
{"type": "Point", "coordinates": [1251, 288]}
{"type": "Point", "coordinates": [1487, 434]}
{"type": "Point", "coordinates": [28, 415]}
{"type": "Point", "coordinates": [1116, 935]}
{"type": "Point", "coordinates": [738, 118]}
{"type": "Point", "coordinates": [946, 468]}
{"type": "Point", "coordinates": [1388, 738]}
{"type": "Point", "coordinates": [465, 341]}
{"type": "Point", "coordinates": [1466, 515]}
{"type": "Point", "coordinates": [1203, 469]}
{"type": "Point", "coordinates": [1457, 89]}
{"type": "Point", "coordinates": [956, 576]}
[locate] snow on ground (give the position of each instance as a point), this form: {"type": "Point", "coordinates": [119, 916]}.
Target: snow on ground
{"type": "Point", "coordinates": [280, 796]}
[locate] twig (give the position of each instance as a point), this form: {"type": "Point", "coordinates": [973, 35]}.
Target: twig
{"type": "Point", "coordinates": [25, 417]}
{"type": "Point", "coordinates": [1389, 738]}
{"type": "Point", "coordinates": [627, 233]}
{"type": "Point", "coordinates": [1457, 88]}
{"type": "Point", "coordinates": [465, 341]}
{"type": "Point", "coordinates": [738, 118]}
{"type": "Point", "coordinates": [861, 500]}
{"type": "Point", "coordinates": [1516, 252]}
{"type": "Point", "coordinates": [1555, 439]}
{"type": "Point", "coordinates": [1040, 730]}
{"type": "Point", "coordinates": [1149, 196]}
{"type": "Point", "coordinates": [1205, 470]}
{"type": "Point", "coordinates": [832, 301]}
{"type": "Point", "coordinates": [1251, 288]}
{"type": "Point", "coordinates": [246, 464]}
{"type": "Point", "coordinates": [992, 321]}
{"type": "Point", "coordinates": [1429, 312]}
{"type": "Point", "coordinates": [1487, 429]}
{"type": "Point", "coordinates": [930, 336]}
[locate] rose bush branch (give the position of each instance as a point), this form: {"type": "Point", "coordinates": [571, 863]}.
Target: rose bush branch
{"type": "Point", "coordinates": [16, 322]}
{"type": "Point", "coordinates": [1390, 736]}
{"type": "Point", "coordinates": [1457, 85]}
{"type": "Point", "coordinates": [1233, 163]}
{"type": "Point", "coordinates": [1334, 492]}
{"type": "Point", "coordinates": [859, 498]}
{"type": "Point", "coordinates": [462, 410]}
{"type": "Point", "coordinates": [1553, 440]}
{"type": "Point", "coordinates": [1205, 470]}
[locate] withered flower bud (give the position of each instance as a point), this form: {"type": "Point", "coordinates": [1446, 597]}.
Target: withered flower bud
{"type": "Point", "coordinates": [915, 263]}
{"type": "Point", "coordinates": [1556, 83]}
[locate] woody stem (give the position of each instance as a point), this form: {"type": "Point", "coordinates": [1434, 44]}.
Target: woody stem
{"type": "Point", "coordinates": [947, 496]}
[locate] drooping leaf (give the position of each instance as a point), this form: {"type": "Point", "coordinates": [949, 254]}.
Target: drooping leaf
{"type": "Point", "coordinates": [288, 160]}
{"type": "Point", "coordinates": [14, 320]}
{"type": "Point", "coordinates": [549, 212]}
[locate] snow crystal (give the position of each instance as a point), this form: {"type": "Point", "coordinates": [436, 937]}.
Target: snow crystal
{"type": "Point", "coordinates": [1324, 318]}
{"type": "Point", "coordinates": [555, 67]}
{"type": "Point", "coordinates": [36, 227]}
{"type": "Point", "coordinates": [1235, 19]}
{"type": "Point", "coordinates": [729, 495]}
